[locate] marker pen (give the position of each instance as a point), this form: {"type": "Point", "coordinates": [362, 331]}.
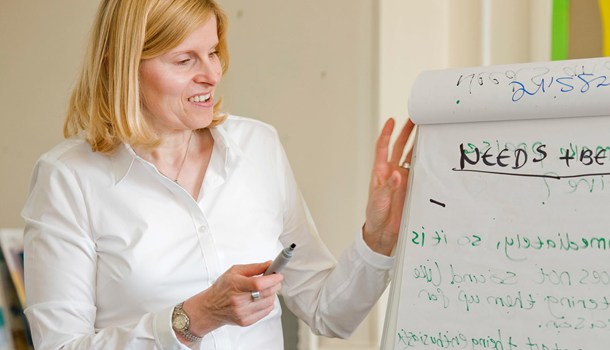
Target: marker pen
{"type": "Point", "coordinates": [282, 259]}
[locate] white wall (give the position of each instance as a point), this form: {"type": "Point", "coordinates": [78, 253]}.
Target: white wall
{"type": "Point", "coordinates": [41, 44]}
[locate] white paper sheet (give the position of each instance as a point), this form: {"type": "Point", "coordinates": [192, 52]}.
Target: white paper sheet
{"type": "Point", "coordinates": [506, 238]}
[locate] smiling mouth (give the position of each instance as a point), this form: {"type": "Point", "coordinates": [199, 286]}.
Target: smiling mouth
{"type": "Point", "coordinates": [200, 98]}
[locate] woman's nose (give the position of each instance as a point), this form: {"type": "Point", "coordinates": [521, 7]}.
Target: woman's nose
{"type": "Point", "coordinates": [208, 73]}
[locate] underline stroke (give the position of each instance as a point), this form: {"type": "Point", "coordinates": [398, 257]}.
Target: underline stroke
{"type": "Point", "coordinates": [556, 177]}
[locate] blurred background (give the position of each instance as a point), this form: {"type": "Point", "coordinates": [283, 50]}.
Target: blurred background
{"type": "Point", "coordinates": [326, 74]}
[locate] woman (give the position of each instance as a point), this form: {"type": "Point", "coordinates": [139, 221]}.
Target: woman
{"type": "Point", "coordinates": [150, 226]}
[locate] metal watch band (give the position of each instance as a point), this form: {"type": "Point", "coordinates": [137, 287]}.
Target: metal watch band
{"type": "Point", "coordinates": [190, 336]}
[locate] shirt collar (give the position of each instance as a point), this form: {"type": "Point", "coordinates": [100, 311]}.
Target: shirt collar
{"type": "Point", "coordinates": [224, 147]}
{"type": "Point", "coordinates": [226, 144]}
{"type": "Point", "coordinates": [122, 160]}
{"type": "Point", "coordinates": [225, 156]}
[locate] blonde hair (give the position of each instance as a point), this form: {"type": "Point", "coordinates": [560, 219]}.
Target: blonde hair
{"type": "Point", "coordinates": [105, 103]}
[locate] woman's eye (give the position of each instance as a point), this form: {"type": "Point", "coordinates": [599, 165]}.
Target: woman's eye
{"type": "Point", "coordinates": [184, 61]}
{"type": "Point", "coordinates": [214, 54]}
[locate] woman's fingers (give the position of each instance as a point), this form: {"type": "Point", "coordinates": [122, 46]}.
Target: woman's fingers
{"type": "Point", "coordinates": [249, 270]}
{"type": "Point", "coordinates": [382, 150]}
{"type": "Point", "coordinates": [249, 309]}
{"type": "Point", "coordinates": [401, 141]}
{"type": "Point", "coordinates": [388, 189]}
{"type": "Point", "coordinates": [230, 300]}
{"type": "Point", "coordinates": [383, 143]}
{"type": "Point", "coordinates": [253, 281]}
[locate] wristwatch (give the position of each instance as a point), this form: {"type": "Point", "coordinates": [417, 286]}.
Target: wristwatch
{"type": "Point", "coordinates": [181, 324]}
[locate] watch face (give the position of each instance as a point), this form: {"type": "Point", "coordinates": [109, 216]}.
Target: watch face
{"type": "Point", "coordinates": [180, 322]}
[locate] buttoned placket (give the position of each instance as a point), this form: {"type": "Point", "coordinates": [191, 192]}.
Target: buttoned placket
{"type": "Point", "coordinates": [217, 339]}
{"type": "Point", "coordinates": [214, 177]}
{"type": "Point", "coordinates": [220, 163]}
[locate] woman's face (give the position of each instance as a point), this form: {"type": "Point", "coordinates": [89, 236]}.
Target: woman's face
{"type": "Point", "coordinates": [177, 88]}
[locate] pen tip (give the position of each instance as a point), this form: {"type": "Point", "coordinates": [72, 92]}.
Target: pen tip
{"type": "Point", "coordinates": [292, 246]}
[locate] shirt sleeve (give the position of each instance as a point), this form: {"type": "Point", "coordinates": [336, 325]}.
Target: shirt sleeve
{"type": "Point", "coordinates": [60, 273]}
{"type": "Point", "coordinates": [332, 297]}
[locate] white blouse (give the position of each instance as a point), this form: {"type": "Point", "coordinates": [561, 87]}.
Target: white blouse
{"type": "Point", "coordinates": [112, 245]}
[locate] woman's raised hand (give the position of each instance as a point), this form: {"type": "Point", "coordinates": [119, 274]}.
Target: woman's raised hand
{"type": "Point", "coordinates": [387, 190]}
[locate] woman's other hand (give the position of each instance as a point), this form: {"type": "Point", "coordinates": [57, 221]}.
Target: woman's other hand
{"type": "Point", "coordinates": [229, 300]}
{"type": "Point", "coordinates": [387, 190]}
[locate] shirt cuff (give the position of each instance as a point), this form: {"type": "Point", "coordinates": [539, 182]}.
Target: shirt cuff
{"type": "Point", "coordinates": [164, 334]}
{"type": "Point", "coordinates": [371, 257]}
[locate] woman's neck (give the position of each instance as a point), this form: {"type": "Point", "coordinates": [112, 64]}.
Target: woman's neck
{"type": "Point", "coordinates": [182, 157]}
{"type": "Point", "coordinates": [169, 157]}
